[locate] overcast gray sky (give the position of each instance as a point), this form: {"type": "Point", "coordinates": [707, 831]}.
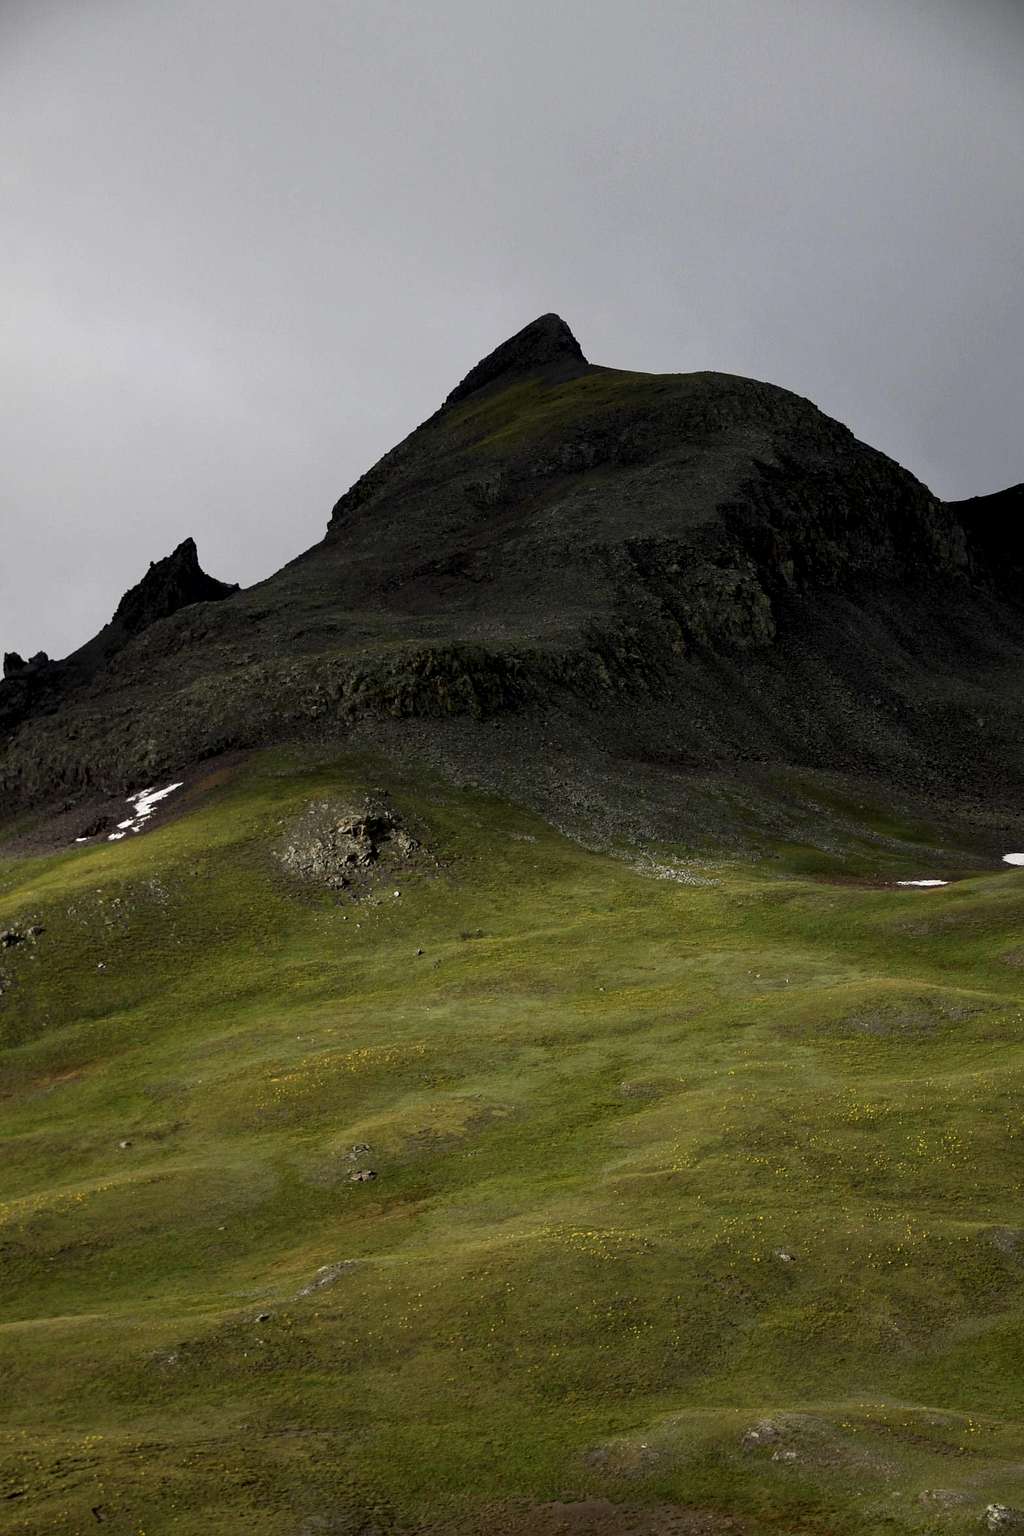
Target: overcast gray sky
{"type": "Point", "coordinates": [248, 244]}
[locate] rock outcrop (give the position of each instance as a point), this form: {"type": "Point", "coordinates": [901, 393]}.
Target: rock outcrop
{"type": "Point", "coordinates": [40, 685]}
{"type": "Point", "coordinates": [169, 585]}
{"type": "Point", "coordinates": [994, 531]}
{"type": "Point", "coordinates": [345, 847]}
{"type": "Point", "coordinates": [17, 666]}
{"type": "Point", "coordinates": [545, 344]}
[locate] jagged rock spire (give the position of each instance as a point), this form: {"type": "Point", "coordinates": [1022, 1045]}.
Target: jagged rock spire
{"type": "Point", "coordinates": [544, 341]}
{"type": "Point", "coordinates": [168, 585]}
{"type": "Point", "coordinates": [175, 582]}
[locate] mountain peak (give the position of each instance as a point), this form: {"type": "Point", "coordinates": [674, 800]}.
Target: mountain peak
{"type": "Point", "coordinates": [545, 341]}
{"type": "Point", "coordinates": [168, 585]}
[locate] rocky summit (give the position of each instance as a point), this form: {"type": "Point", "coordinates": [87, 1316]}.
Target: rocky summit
{"type": "Point", "coordinates": [514, 1026]}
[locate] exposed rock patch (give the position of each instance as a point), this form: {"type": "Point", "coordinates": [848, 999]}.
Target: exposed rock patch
{"type": "Point", "coordinates": [1001, 1517]}
{"type": "Point", "coordinates": [942, 1498]}
{"type": "Point", "coordinates": [17, 944]}
{"type": "Point", "coordinates": [647, 1088]}
{"type": "Point", "coordinates": [12, 938]}
{"type": "Point", "coordinates": [326, 1276]}
{"type": "Point", "coordinates": [347, 848]}
{"type": "Point", "coordinates": [762, 1434]}
{"type": "Point", "coordinates": [909, 1019]}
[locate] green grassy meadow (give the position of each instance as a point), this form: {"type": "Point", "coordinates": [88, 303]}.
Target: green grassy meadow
{"type": "Point", "coordinates": [703, 1194]}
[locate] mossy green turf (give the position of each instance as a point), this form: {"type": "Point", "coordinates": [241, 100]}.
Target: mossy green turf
{"type": "Point", "coordinates": [603, 1109]}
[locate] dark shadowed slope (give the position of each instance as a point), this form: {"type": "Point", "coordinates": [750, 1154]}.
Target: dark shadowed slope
{"type": "Point", "coordinates": [696, 554]}
{"type": "Point", "coordinates": [994, 526]}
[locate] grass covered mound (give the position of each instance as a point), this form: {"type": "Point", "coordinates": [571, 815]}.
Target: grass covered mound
{"type": "Point", "coordinates": [507, 1188]}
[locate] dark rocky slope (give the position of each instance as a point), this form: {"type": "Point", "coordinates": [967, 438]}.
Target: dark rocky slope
{"type": "Point", "coordinates": [41, 685]}
{"type": "Point", "coordinates": [696, 564]}
{"type": "Point", "coordinates": [994, 529]}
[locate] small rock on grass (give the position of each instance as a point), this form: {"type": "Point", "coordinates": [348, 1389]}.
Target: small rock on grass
{"type": "Point", "coordinates": [361, 1175]}
{"type": "Point", "coordinates": [764, 1432]}
{"type": "Point", "coordinates": [326, 1275]}
{"type": "Point", "coordinates": [1002, 1517]}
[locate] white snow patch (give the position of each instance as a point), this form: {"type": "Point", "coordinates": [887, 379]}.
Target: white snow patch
{"type": "Point", "coordinates": [1013, 858]}
{"type": "Point", "coordinates": [922, 882]}
{"type": "Point", "coordinates": [144, 804]}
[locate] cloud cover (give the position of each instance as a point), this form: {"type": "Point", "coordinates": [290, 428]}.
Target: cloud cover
{"type": "Point", "coordinates": [248, 246]}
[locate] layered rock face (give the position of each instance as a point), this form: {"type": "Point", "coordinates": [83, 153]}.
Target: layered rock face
{"type": "Point", "coordinates": [560, 535]}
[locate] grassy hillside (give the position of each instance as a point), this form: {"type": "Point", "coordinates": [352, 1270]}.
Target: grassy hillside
{"type": "Point", "coordinates": [697, 1194]}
